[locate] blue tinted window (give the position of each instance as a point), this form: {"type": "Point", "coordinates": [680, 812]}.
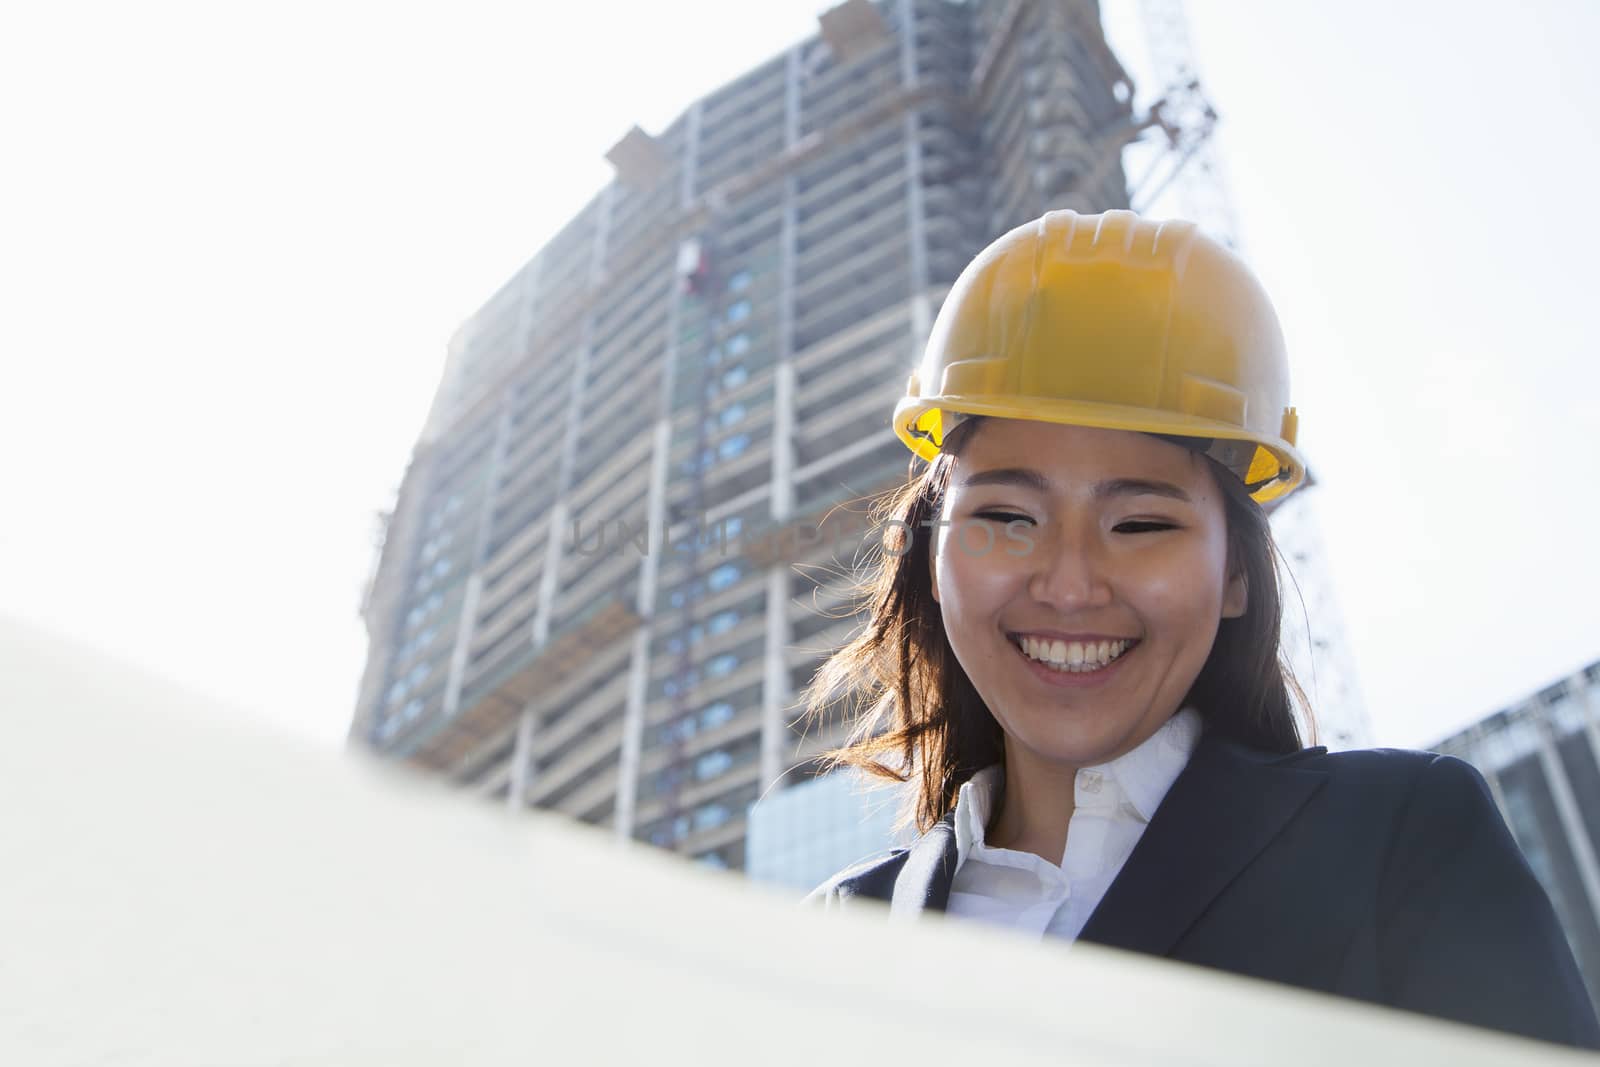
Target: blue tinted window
{"type": "Point", "coordinates": [712, 764]}
{"type": "Point", "coordinates": [711, 815]}
{"type": "Point", "coordinates": [715, 715]}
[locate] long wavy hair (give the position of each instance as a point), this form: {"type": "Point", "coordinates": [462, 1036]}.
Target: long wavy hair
{"type": "Point", "coordinates": [915, 717]}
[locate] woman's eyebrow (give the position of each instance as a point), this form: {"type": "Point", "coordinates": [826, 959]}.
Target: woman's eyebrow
{"type": "Point", "coordinates": [1140, 487]}
{"type": "Point", "coordinates": [1020, 477]}
{"type": "Point", "coordinates": [1025, 478]}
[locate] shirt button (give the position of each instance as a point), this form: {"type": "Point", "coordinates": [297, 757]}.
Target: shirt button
{"type": "Point", "coordinates": [1090, 780]}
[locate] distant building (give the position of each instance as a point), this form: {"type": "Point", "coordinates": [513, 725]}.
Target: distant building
{"type": "Point", "coordinates": [800, 836]}
{"type": "Point", "coordinates": [1541, 758]}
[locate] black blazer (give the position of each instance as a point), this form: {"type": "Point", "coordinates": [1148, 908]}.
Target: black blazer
{"type": "Point", "coordinates": [1383, 875]}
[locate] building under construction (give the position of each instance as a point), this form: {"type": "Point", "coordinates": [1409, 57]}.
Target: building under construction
{"type": "Point", "coordinates": [588, 597]}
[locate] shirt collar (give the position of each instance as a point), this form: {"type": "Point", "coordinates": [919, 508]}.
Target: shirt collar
{"type": "Point", "coordinates": [974, 803]}
{"type": "Point", "coordinates": [1143, 775]}
{"type": "Point", "coordinates": [1146, 773]}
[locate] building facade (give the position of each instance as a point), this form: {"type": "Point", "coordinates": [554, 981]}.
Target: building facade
{"type": "Point", "coordinates": [1541, 758]}
{"type": "Point", "coordinates": [615, 557]}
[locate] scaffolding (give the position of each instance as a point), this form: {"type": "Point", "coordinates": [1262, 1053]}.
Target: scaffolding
{"type": "Point", "coordinates": [449, 742]}
{"type": "Point", "coordinates": [701, 282]}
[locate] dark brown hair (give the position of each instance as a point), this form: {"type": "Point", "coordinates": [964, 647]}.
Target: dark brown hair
{"type": "Point", "coordinates": [915, 717]}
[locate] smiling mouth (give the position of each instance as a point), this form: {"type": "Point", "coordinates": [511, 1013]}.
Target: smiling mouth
{"type": "Point", "coordinates": [1071, 657]}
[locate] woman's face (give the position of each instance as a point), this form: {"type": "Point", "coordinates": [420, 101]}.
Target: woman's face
{"type": "Point", "coordinates": [1057, 547]}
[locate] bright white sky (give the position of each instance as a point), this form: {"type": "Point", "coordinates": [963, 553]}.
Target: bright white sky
{"type": "Point", "coordinates": [234, 239]}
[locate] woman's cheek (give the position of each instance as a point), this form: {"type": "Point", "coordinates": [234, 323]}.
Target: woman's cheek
{"type": "Point", "coordinates": [1019, 539]}
{"type": "Point", "coordinates": [973, 581]}
{"type": "Point", "coordinates": [1183, 581]}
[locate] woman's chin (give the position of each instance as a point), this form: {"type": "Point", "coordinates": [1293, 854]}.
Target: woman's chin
{"type": "Point", "coordinates": [1071, 749]}
{"type": "Point", "coordinates": [1054, 735]}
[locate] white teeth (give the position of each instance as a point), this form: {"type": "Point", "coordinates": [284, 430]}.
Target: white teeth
{"type": "Point", "coordinates": [1076, 657]}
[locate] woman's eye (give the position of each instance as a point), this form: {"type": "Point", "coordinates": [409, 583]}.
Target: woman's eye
{"type": "Point", "coordinates": [1143, 526]}
{"type": "Point", "coordinates": [1002, 516]}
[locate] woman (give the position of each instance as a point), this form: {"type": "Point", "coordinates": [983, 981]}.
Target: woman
{"type": "Point", "coordinates": [1071, 659]}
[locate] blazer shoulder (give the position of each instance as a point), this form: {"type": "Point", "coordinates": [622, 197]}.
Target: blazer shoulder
{"type": "Point", "coordinates": [1400, 780]}
{"type": "Point", "coordinates": [1373, 765]}
{"type": "Point", "coordinates": [872, 877]}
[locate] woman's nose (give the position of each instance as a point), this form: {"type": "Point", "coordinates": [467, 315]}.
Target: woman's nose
{"type": "Point", "coordinates": [1069, 572]}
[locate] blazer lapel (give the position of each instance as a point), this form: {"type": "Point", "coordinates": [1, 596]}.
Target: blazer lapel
{"type": "Point", "coordinates": [1222, 810]}
{"type": "Point", "coordinates": [923, 883]}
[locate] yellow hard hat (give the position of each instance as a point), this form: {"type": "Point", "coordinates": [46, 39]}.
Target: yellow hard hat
{"type": "Point", "coordinates": [1116, 322]}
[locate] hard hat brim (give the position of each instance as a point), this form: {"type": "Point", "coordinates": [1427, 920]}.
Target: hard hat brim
{"type": "Point", "coordinates": [1275, 468]}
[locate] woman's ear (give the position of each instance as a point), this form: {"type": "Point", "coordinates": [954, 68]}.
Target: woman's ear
{"type": "Point", "coordinates": [1236, 597]}
{"type": "Point", "coordinates": [933, 576]}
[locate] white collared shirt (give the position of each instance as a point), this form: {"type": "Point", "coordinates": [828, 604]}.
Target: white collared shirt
{"type": "Point", "coordinates": [1112, 803]}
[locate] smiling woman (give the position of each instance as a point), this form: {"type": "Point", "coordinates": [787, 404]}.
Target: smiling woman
{"type": "Point", "coordinates": [1071, 659]}
{"type": "Point", "coordinates": [1084, 645]}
